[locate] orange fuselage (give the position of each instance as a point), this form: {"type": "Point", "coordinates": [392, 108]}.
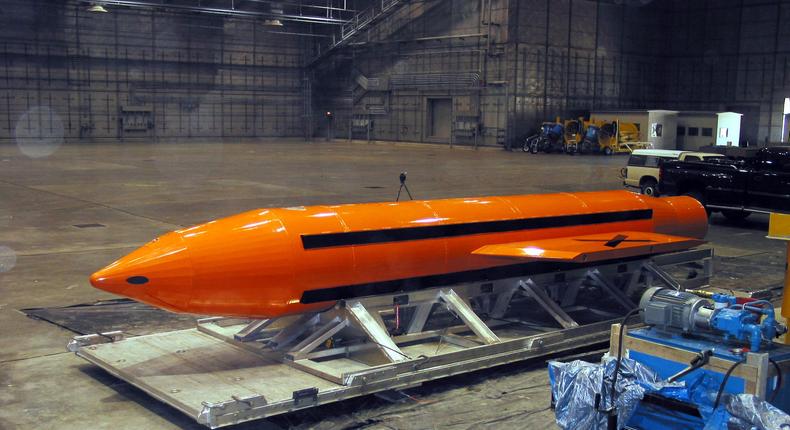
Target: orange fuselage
{"type": "Point", "coordinates": [273, 262]}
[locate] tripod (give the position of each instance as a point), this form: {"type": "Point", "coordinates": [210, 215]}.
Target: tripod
{"type": "Point", "coordinates": [402, 186]}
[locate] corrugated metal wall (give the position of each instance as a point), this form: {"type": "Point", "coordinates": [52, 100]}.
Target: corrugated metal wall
{"type": "Point", "coordinates": [426, 49]}
{"type": "Point", "coordinates": [198, 76]}
{"type": "Point", "coordinates": [731, 55]}
{"type": "Point", "coordinates": [572, 56]}
{"type": "Point", "coordinates": [507, 65]}
{"type": "Point", "coordinates": [550, 58]}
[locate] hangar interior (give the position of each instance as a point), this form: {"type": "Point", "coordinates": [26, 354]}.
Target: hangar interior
{"type": "Point", "coordinates": [217, 70]}
{"type": "Point", "coordinates": [121, 120]}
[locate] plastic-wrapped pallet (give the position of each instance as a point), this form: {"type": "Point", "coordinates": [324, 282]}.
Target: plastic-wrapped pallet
{"type": "Point", "coordinates": [746, 412]}
{"type": "Point", "coordinates": [581, 391]}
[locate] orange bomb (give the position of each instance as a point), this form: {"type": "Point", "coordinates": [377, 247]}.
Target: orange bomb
{"type": "Point", "coordinates": [267, 263]}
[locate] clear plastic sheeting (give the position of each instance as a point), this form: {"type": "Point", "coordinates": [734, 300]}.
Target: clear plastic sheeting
{"type": "Point", "coordinates": [582, 391]}
{"type": "Point", "coordinates": [747, 412]}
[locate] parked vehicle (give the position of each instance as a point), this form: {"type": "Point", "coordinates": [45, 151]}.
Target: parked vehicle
{"type": "Point", "coordinates": [642, 171]}
{"type": "Point", "coordinates": [736, 188]}
{"type": "Point", "coordinates": [582, 136]}
{"type": "Point", "coordinates": [618, 137]}
{"type": "Point", "coordinates": [591, 139]}
{"type": "Point", "coordinates": [548, 140]}
{"type": "Point", "coordinates": [574, 134]}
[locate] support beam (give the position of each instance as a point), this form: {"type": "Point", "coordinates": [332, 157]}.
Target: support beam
{"type": "Point", "coordinates": [539, 295]}
{"type": "Point", "coordinates": [318, 337]}
{"type": "Point", "coordinates": [457, 305]}
{"type": "Point", "coordinates": [421, 314]}
{"type": "Point", "coordinates": [503, 302]}
{"type": "Point", "coordinates": [293, 331]}
{"type": "Point", "coordinates": [226, 11]}
{"type": "Point", "coordinates": [613, 291]}
{"type": "Point", "coordinates": [571, 292]}
{"type": "Point", "coordinates": [253, 330]}
{"type": "Point", "coordinates": [376, 333]}
{"type": "Point", "coordinates": [662, 275]}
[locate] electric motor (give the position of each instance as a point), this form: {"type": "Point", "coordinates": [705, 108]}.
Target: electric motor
{"type": "Point", "coordinates": [676, 310]}
{"type": "Point", "coordinates": [721, 318]}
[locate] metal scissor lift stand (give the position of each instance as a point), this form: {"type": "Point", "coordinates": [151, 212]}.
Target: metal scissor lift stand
{"type": "Point", "coordinates": [226, 371]}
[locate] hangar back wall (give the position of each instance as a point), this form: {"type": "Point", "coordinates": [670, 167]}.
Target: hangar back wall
{"type": "Point", "coordinates": [189, 75]}
{"type": "Point", "coordinates": [544, 58]}
{"type": "Point", "coordinates": [504, 64]}
{"type": "Point", "coordinates": [572, 56]}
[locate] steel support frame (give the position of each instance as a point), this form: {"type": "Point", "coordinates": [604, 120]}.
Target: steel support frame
{"type": "Point", "coordinates": [299, 339]}
{"type": "Point", "coordinates": [477, 342]}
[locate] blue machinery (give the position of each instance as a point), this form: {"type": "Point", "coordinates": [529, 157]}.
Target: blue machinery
{"type": "Point", "coordinates": [721, 318]}
{"type": "Point", "coordinates": [715, 344]}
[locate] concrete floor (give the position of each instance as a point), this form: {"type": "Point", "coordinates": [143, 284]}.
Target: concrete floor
{"type": "Point", "coordinates": [138, 191]}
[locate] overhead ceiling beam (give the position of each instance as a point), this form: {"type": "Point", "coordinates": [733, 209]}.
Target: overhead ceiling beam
{"type": "Point", "coordinates": [149, 4]}
{"type": "Point", "coordinates": [304, 5]}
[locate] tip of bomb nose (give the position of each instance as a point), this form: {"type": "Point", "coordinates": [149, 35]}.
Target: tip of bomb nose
{"type": "Point", "coordinates": [108, 280]}
{"type": "Point", "coordinates": [113, 280]}
{"type": "Point", "coordinates": [97, 280]}
{"type": "Point", "coordinates": [153, 272]}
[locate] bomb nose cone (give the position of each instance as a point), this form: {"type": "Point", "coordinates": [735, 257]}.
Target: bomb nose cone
{"type": "Point", "coordinates": [160, 272]}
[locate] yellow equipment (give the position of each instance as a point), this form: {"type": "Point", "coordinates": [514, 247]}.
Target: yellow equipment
{"type": "Point", "coordinates": [616, 136]}
{"type": "Point", "coordinates": [594, 136]}
{"type": "Point", "coordinates": [574, 134]}
{"type": "Point", "coordinates": [779, 228]}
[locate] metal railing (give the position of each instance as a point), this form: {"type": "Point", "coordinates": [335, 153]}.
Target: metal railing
{"type": "Point", "coordinates": [631, 146]}
{"type": "Point", "coordinates": [356, 24]}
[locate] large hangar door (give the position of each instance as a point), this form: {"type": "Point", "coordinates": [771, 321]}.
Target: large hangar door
{"type": "Point", "coordinates": [439, 116]}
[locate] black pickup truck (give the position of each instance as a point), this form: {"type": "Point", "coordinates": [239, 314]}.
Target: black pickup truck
{"type": "Point", "coordinates": [734, 187]}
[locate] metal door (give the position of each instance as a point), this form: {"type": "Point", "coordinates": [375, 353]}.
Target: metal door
{"type": "Point", "coordinates": [439, 117]}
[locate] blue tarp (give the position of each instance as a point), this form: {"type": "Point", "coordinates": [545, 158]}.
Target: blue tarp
{"type": "Point", "coordinates": [577, 387]}
{"type": "Point", "coordinates": [746, 412]}
{"type": "Point", "coordinates": [581, 391]}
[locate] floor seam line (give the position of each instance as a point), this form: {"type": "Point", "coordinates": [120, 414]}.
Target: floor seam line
{"type": "Point", "coordinates": [40, 254]}
{"type": "Point", "coordinates": [13, 360]}
{"type": "Point", "coordinates": [89, 202]}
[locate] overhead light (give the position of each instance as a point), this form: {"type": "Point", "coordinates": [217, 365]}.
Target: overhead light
{"type": "Point", "coordinates": [273, 23]}
{"type": "Point", "coordinates": [276, 8]}
{"type": "Point", "coordinates": [97, 8]}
